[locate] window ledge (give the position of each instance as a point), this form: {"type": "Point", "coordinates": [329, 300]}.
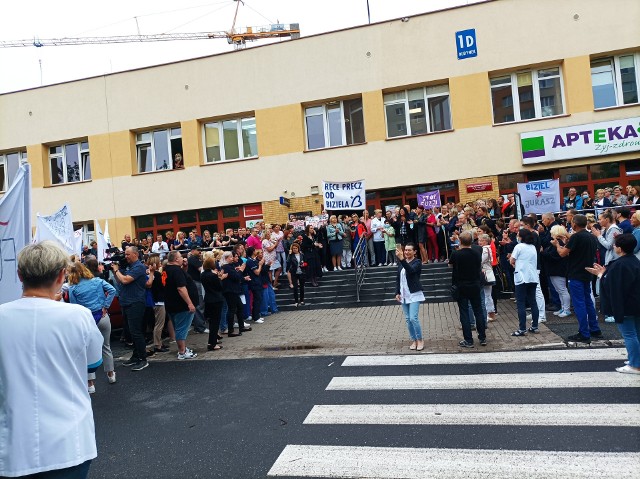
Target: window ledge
{"type": "Point", "coordinates": [564, 115]}
{"type": "Point", "coordinates": [334, 147]}
{"type": "Point", "coordinates": [143, 173]}
{"type": "Point", "coordinates": [68, 184]}
{"type": "Point", "coordinates": [420, 135]}
{"type": "Point", "coordinates": [224, 162]}
{"type": "Point", "coordinates": [617, 107]}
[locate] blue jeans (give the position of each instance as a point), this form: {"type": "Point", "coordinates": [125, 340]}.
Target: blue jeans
{"type": "Point", "coordinates": [81, 471]}
{"type": "Point", "coordinates": [630, 330]}
{"type": "Point", "coordinates": [223, 316]}
{"type": "Point", "coordinates": [483, 306]}
{"type": "Point", "coordinates": [413, 323]}
{"type": "Point", "coordinates": [269, 300]}
{"type": "Point", "coordinates": [182, 323]}
{"type": "Point", "coordinates": [583, 307]}
{"type": "Point", "coordinates": [199, 323]}
{"type": "Point", "coordinates": [526, 296]}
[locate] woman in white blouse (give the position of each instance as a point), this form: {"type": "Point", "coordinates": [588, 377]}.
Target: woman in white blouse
{"type": "Point", "coordinates": [524, 259]}
{"type": "Point", "coordinates": [409, 292]}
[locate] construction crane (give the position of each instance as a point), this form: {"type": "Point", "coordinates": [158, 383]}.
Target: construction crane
{"type": "Point", "coordinates": [237, 37]}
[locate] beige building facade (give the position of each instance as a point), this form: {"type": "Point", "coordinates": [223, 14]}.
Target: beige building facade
{"type": "Point", "coordinates": [389, 103]}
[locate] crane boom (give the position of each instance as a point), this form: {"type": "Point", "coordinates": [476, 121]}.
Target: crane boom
{"type": "Point", "coordinates": [237, 37]}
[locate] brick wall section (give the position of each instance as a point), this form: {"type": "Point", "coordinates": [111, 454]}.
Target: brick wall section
{"type": "Point", "coordinates": [274, 212]}
{"type": "Point", "coordinates": [465, 197]}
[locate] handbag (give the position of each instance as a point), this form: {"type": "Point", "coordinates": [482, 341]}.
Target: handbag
{"type": "Point", "coordinates": [489, 277]}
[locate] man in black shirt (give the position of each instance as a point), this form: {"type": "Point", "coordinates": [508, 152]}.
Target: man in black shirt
{"type": "Point", "coordinates": [581, 249]}
{"type": "Point", "coordinates": [178, 302]}
{"type": "Point", "coordinates": [466, 277]}
{"type": "Point", "coordinates": [194, 262]}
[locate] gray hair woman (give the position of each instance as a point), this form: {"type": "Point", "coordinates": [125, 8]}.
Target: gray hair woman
{"type": "Point", "coordinates": [61, 341]}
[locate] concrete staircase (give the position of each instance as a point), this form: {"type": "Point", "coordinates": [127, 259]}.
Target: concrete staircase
{"type": "Point", "coordinates": [337, 289]}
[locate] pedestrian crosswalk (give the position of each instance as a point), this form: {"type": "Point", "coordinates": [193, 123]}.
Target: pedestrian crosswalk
{"type": "Point", "coordinates": [382, 413]}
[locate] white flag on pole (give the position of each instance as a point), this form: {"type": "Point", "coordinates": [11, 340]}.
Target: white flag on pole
{"type": "Point", "coordinates": [106, 232]}
{"type": "Point", "coordinates": [15, 232]}
{"type": "Point", "coordinates": [78, 241]}
{"type": "Point", "coordinates": [57, 227]}
{"type": "Point", "coordinates": [102, 242]}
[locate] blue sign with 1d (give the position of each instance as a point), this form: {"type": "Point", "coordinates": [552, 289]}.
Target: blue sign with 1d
{"type": "Point", "coordinates": [466, 44]}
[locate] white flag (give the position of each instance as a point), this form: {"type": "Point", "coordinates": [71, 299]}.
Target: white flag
{"type": "Point", "coordinates": [57, 227]}
{"type": "Point", "coordinates": [15, 232]}
{"type": "Point", "coordinates": [102, 242]}
{"type": "Point", "coordinates": [78, 241]}
{"type": "Point", "coordinates": [106, 232]}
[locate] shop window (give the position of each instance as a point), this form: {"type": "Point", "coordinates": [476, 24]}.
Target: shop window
{"type": "Point", "coordinates": [144, 221]}
{"type": "Point", "coordinates": [70, 163]}
{"type": "Point", "coordinates": [9, 165]}
{"type": "Point", "coordinates": [230, 212]}
{"type": "Point", "coordinates": [632, 167]}
{"type": "Point", "coordinates": [231, 139]}
{"type": "Point", "coordinates": [540, 175]}
{"type": "Point", "coordinates": [208, 215]}
{"type": "Point", "coordinates": [606, 184]}
{"type": "Point", "coordinates": [417, 111]}
{"type": "Point", "coordinates": [187, 217]}
{"type": "Point", "coordinates": [166, 219]}
{"type": "Point", "coordinates": [156, 150]}
{"type": "Point", "coordinates": [579, 189]}
{"type": "Point", "coordinates": [510, 182]}
{"type": "Point", "coordinates": [391, 193]}
{"type": "Point", "coordinates": [234, 225]}
{"type": "Point", "coordinates": [526, 95]}
{"type": "Point", "coordinates": [606, 170]}
{"type": "Point", "coordinates": [212, 228]}
{"type": "Point", "coordinates": [615, 80]}
{"type": "Point", "coordinates": [573, 174]}
{"type": "Point", "coordinates": [336, 123]}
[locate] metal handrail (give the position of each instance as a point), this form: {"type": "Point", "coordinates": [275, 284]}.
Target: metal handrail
{"type": "Point", "coordinates": [360, 264]}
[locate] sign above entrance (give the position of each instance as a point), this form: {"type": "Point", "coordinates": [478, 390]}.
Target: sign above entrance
{"type": "Point", "coordinates": [466, 44]}
{"type": "Point", "coordinates": [343, 195]}
{"type": "Point", "coordinates": [581, 141]}
{"type": "Point", "coordinates": [478, 187]}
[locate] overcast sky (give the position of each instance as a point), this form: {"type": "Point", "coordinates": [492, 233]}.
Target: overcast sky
{"type": "Point", "coordinates": [21, 67]}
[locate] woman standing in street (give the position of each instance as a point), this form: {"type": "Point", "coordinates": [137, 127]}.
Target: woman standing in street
{"type": "Point", "coordinates": [524, 259]}
{"type": "Point", "coordinates": [488, 276]}
{"type": "Point", "coordinates": [409, 292]}
{"type": "Point", "coordinates": [620, 297]}
{"type": "Point", "coordinates": [96, 295]}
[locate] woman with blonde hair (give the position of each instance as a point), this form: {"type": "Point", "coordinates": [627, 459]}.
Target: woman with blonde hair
{"type": "Point", "coordinates": [335, 234]}
{"type": "Point", "coordinates": [96, 295]}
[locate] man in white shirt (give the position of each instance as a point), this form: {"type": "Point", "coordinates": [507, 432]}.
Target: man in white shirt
{"type": "Point", "coordinates": [377, 227]}
{"type": "Point", "coordinates": [46, 347]}
{"type": "Point", "coordinates": [160, 247]}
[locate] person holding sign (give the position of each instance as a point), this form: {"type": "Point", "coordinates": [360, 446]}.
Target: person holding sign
{"type": "Point", "coordinates": [409, 291]}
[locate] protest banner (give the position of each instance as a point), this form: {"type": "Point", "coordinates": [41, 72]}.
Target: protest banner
{"type": "Point", "coordinates": [15, 232]}
{"type": "Point", "coordinates": [57, 227]}
{"type": "Point", "coordinates": [540, 196]}
{"type": "Point", "coordinates": [316, 221]}
{"type": "Point", "coordinates": [429, 199]}
{"type": "Point", "coordinates": [344, 195]}
{"type": "Point", "coordinates": [103, 246]}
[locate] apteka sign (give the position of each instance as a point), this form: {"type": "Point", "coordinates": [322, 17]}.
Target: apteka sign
{"type": "Point", "coordinates": [581, 141]}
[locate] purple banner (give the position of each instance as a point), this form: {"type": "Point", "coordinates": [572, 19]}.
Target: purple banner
{"type": "Point", "coordinates": [430, 199]}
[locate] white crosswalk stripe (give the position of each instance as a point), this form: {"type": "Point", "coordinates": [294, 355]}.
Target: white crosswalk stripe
{"type": "Point", "coordinates": [362, 461]}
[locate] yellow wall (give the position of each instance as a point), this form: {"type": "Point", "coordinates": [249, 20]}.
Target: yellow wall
{"type": "Point", "coordinates": [374, 124]}
{"type": "Point", "coordinates": [465, 197]}
{"type": "Point", "coordinates": [192, 143]}
{"type": "Point", "coordinates": [37, 157]}
{"type": "Point", "coordinates": [470, 101]}
{"type": "Point", "coordinates": [274, 212]}
{"type": "Point", "coordinates": [118, 227]}
{"type": "Point", "coordinates": [280, 130]}
{"type": "Point", "coordinates": [577, 84]}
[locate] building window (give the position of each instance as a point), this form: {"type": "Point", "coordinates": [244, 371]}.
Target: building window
{"type": "Point", "coordinates": [9, 164]}
{"type": "Point", "coordinates": [230, 140]}
{"type": "Point", "coordinates": [615, 80]}
{"type": "Point", "coordinates": [336, 123]}
{"type": "Point", "coordinates": [156, 150]}
{"type": "Point", "coordinates": [526, 95]}
{"type": "Point", "coordinates": [70, 163]}
{"type": "Point", "coordinates": [418, 111]}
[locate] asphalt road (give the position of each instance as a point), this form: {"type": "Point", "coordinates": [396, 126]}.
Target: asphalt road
{"type": "Point", "coordinates": [232, 419]}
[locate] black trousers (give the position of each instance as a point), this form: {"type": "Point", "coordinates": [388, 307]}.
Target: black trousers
{"type": "Point", "coordinates": [298, 287]}
{"type": "Point", "coordinates": [134, 316]}
{"type": "Point", "coordinates": [257, 302]}
{"type": "Point", "coordinates": [235, 308]}
{"type": "Point", "coordinates": [213, 314]}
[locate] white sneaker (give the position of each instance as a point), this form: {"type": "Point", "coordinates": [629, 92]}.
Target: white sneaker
{"type": "Point", "coordinates": [542, 320]}
{"type": "Point", "coordinates": [609, 319]}
{"type": "Point", "coordinates": [249, 318]}
{"type": "Point", "coordinates": [558, 313]}
{"type": "Point", "coordinates": [112, 379]}
{"type": "Point", "coordinates": [188, 354]}
{"type": "Point", "coordinates": [206, 331]}
{"type": "Point", "coordinates": [235, 325]}
{"type": "Point", "coordinates": [259, 320]}
{"type": "Point", "coordinates": [91, 389]}
{"type": "Point", "coordinates": [435, 260]}
{"type": "Point", "coordinates": [628, 370]}
{"type": "Point", "coordinates": [247, 325]}
{"type": "Point", "coordinates": [325, 270]}
{"type": "Point", "coordinates": [564, 313]}
{"type": "Point", "coordinates": [339, 268]}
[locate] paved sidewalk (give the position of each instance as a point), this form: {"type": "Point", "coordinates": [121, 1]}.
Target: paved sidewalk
{"type": "Point", "coordinates": [358, 331]}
